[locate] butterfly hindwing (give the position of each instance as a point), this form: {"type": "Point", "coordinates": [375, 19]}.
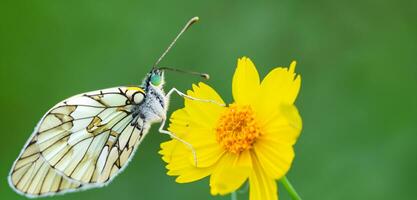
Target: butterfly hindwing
{"type": "Point", "coordinates": [81, 142]}
{"type": "Point", "coordinates": [32, 176]}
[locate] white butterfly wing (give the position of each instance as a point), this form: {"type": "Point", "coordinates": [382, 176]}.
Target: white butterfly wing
{"type": "Point", "coordinates": [32, 176]}
{"type": "Point", "coordinates": [82, 142]}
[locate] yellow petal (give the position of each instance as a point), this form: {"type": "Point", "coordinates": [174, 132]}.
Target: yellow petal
{"type": "Point", "coordinates": [274, 148]}
{"type": "Point", "coordinates": [274, 157]}
{"type": "Point", "coordinates": [202, 139]}
{"type": "Point", "coordinates": [206, 147]}
{"type": "Point", "coordinates": [201, 108]}
{"type": "Point", "coordinates": [280, 86]}
{"type": "Point", "coordinates": [261, 187]}
{"type": "Point", "coordinates": [204, 91]}
{"type": "Point", "coordinates": [284, 126]}
{"type": "Point", "coordinates": [175, 154]}
{"type": "Point", "coordinates": [198, 113]}
{"type": "Point", "coordinates": [185, 171]}
{"type": "Point", "coordinates": [179, 122]}
{"type": "Point", "coordinates": [203, 142]}
{"type": "Point", "coordinates": [178, 157]}
{"type": "Point", "coordinates": [231, 172]}
{"type": "Point", "coordinates": [245, 86]}
{"type": "Point", "coordinates": [207, 155]}
{"type": "Point", "coordinates": [193, 174]}
{"type": "Point", "coordinates": [193, 124]}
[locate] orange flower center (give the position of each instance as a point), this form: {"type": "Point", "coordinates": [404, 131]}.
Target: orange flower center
{"type": "Point", "coordinates": [237, 128]}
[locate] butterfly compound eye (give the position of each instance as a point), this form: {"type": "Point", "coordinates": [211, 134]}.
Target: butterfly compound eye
{"type": "Point", "coordinates": [156, 79]}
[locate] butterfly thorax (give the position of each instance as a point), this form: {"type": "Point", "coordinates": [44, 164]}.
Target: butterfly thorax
{"type": "Point", "coordinates": [154, 106]}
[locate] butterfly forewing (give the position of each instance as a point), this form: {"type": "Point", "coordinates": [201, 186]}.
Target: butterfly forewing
{"type": "Point", "coordinates": [83, 141]}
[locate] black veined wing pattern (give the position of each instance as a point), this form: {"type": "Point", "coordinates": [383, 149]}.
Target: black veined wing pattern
{"type": "Point", "coordinates": [86, 140]}
{"type": "Point", "coordinates": [82, 142]}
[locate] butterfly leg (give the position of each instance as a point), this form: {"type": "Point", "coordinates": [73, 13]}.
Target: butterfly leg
{"type": "Point", "coordinates": [190, 97]}
{"type": "Point", "coordinates": [161, 130]}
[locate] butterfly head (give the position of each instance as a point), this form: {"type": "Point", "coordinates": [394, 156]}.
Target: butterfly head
{"type": "Point", "coordinates": [156, 77]}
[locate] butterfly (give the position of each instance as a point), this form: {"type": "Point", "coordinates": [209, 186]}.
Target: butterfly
{"type": "Point", "coordinates": [86, 140]}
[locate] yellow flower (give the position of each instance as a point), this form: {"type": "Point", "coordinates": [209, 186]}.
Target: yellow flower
{"type": "Point", "coordinates": [252, 138]}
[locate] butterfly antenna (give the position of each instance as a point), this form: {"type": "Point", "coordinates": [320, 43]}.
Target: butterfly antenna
{"type": "Point", "coordinates": [188, 25]}
{"type": "Point", "coordinates": [202, 75]}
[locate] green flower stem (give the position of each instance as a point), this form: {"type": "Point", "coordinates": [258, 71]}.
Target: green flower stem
{"type": "Point", "coordinates": [234, 195]}
{"type": "Point", "coordinates": [294, 195]}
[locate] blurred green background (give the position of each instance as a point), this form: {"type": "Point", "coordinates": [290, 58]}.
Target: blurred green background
{"type": "Point", "coordinates": [357, 59]}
